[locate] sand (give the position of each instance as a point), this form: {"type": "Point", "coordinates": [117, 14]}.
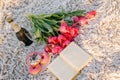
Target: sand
{"type": "Point", "coordinates": [101, 38]}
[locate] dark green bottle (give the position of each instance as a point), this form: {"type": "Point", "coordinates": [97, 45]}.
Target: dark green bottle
{"type": "Point", "coordinates": [21, 33]}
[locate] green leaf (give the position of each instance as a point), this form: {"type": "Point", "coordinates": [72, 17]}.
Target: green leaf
{"type": "Point", "coordinates": [38, 33]}
{"type": "Point", "coordinates": [57, 16]}
{"type": "Point", "coordinates": [39, 27]}
{"type": "Point", "coordinates": [76, 13]}
{"type": "Point", "coordinates": [50, 22]}
{"type": "Point", "coordinates": [47, 26]}
{"type": "Point", "coordinates": [43, 16]}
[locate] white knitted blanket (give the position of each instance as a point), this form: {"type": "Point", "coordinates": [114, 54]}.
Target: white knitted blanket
{"type": "Point", "coordinates": [101, 38]}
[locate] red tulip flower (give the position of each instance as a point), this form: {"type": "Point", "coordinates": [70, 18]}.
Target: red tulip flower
{"type": "Point", "coordinates": [65, 43]}
{"type": "Point", "coordinates": [68, 36]}
{"type": "Point", "coordinates": [63, 27]}
{"type": "Point", "coordinates": [63, 23]}
{"type": "Point", "coordinates": [49, 47]}
{"type": "Point", "coordinates": [90, 14]}
{"type": "Point", "coordinates": [52, 40]}
{"type": "Point", "coordinates": [73, 31]}
{"type": "Point", "coordinates": [61, 38]}
{"type": "Point", "coordinates": [75, 19]}
{"type": "Point", "coordinates": [57, 49]}
{"type": "Point", "coordinates": [82, 20]}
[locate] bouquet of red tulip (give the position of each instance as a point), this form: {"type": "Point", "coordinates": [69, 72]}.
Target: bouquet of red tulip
{"type": "Point", "coordinates": [67, 33]}
{"type": "Point", "coordinates": [47, 25]}
{"type": "Point", "coordinates": [59, 29]}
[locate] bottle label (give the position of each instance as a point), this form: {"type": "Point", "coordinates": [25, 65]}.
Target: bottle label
{"type": "Point", "coordinates": [15, 27]}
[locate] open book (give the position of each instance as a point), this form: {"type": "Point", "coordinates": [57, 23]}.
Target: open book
{"type": "Point", "coordinates": [71, 60]}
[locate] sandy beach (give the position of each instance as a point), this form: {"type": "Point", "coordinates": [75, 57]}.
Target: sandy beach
{"type": "Point", "coordinates": [101, 38]}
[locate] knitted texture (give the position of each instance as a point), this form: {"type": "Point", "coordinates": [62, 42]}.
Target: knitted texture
{"type": "Point", "coordinates": [101, 38]}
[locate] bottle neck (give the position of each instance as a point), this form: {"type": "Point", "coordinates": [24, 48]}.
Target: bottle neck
{"type": "Point", "coordinates": [15, 26]}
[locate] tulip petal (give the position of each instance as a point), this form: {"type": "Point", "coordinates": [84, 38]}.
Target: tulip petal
{"type": "Point", "coordinates": [90, 14]}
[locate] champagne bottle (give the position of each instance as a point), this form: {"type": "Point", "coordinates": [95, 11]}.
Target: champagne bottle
{"type": "Point", "coordinates": [21, 33]}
